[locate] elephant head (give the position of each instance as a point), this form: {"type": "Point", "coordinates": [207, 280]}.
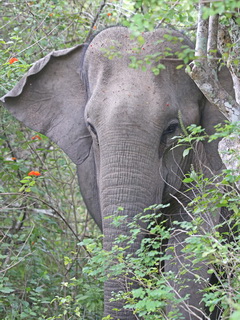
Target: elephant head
{"type": "Point", "coordinates": [116, 124]}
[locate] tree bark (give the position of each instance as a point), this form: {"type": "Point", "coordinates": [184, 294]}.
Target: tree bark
{"type": "Point", "coordinates": [212, 37]}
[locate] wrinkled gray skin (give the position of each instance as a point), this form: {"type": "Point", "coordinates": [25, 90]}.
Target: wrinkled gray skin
{"type": "Point", "coordinates": [116, 124]}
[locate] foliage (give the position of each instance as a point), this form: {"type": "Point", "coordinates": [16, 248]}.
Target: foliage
{"type": "Point", "coordinates": [42, 216]}
{"type": "Point", "coordinates": [51, 262]}
{"type": "Point", "coordinates": [42, 219]}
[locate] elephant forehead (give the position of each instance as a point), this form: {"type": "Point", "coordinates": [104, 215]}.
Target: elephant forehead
{"type": "Point", "coordinates": [119, 45]}
{"type": "Point", "coordinates": [117, 41]}
{"type": "Point", "coordinates": [114, 52]}
{"type": "Point", "coordinates": [126, 91]}
{"type": "Point", "coordinates": [137, 103]}
{"type": "Point", "coordinates": [121, 90]}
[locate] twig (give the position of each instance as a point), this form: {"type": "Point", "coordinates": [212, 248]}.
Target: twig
{"type": "Point", "coordinates": [62, 218]}
{"type": "Point", "coordinates": [163, 19]}
{"type": "Point", "coordinates": [95, 19]}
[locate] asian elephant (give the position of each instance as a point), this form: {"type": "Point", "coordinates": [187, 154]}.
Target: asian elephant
{"type": "Point", "coordinates": [116, 123]}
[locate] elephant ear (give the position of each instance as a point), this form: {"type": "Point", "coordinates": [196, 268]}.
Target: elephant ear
{"type": "Point", "coordinates": [50, 99]}
{"type": "Point", "coordinates": [211, 116]}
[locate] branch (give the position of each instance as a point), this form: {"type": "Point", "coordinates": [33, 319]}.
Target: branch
{"type": "Point", "coordinates": [213, 91]}
{"type": "Point", "coordinates": [63, 219]}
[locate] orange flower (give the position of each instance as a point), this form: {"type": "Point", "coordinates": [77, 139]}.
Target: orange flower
{"type": "Point", "coordinates": [12, 60]}
{"type": "Point", "coordinates": [109, 14]}
{"type": "Point", "coordinates": [34, 173]}
{"type": "Point", "coordinates": [94, 28]}
{"type": "Point", "coordinates": [14, 158]}
{"type": "Point", "coordinates": [36, 137]}
{"type": "Point", "coordinates": [50, 14]}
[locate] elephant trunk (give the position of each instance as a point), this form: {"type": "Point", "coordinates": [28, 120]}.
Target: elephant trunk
{"type": "Point", "coordinates": [127, 181]}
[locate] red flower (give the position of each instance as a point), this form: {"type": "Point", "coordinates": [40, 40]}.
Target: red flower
{"type": "Point", "coordinates": [109, 14]}
{"type": "Point", "coordinates": [12, 60]}
{"type": "Point", "coordinates": [36, 137]}
{"type": "Point", "coordinates": [34, 173]}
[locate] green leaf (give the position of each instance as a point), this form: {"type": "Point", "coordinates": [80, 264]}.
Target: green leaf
{"type": "Point", "coordinates": [180, 66]}
{"type": "Point", "coordinates": [26, 179]}
{"type": "Point", "coordinates": [6, 290]}
{"type": "Point", "coordinates": [188, 180]}
{"type": "Point", "coordinates": [186, 152]}
{"type": "Point", "coordinates": [141, 40]}
{"type": "Point", "coordinates": [32, 183]}
{"type": "Point", "coordinates": [22, 189]}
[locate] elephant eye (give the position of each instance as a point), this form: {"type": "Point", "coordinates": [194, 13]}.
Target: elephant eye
{"type": "Point", "coordinates": [171, 128]}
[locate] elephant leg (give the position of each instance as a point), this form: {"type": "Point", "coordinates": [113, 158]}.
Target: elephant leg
{"type": "Point", "coordinates": [189, 279]}
{"type": "Point", "coordinates": [186, 280]}
{"type": "Point", "coordinates": [115, 308]}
